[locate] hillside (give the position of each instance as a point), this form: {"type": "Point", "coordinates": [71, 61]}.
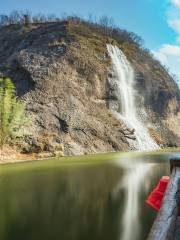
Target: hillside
{"type": "Point", "coordinates": [61, 71]}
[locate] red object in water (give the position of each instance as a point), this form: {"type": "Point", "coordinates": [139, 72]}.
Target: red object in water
{"type": "Point", "coordinates": [156, 196]}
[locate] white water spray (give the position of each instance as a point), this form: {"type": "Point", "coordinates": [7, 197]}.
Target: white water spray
{"type": "Point", "coordinates": [124, 81]}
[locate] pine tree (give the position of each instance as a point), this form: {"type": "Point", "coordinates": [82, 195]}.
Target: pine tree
{"type": "Point", "coordinates": [12, 117]}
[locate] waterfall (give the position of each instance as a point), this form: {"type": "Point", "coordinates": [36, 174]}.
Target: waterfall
{"type": "Point", "coordinates": [124, 81]}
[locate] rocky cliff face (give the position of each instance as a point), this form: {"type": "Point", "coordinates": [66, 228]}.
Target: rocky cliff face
{"type": "Point", "coordinates": [61, 71]}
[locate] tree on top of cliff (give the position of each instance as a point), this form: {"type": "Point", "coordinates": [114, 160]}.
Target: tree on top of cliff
{"type": "Point", "coordinates": [104, 24]}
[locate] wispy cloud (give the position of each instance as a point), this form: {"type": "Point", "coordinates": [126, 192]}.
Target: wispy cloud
{"type": "Point", "coordinates": [175, 25]}
{"type": "Point", "coordinates": [176, 2]}
{"type": "Point", "coordinates": [172, 50]}
{"type": "Point", "coordinates": [169, 54]}
{"type": "Point", "coordinates": [173, 17]}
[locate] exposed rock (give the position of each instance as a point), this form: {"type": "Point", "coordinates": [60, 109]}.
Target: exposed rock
{"type": "Point", "coordinates": [59, 153]}
{"type": "Point", "coordinates": [63, 75]}
{"type": "Point", "coordinates": [45, 155]}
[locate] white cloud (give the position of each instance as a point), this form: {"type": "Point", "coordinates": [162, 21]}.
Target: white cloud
{"type": "Point", "coordinates": [173, 17]}
{"type": "Point", "coordinates": [178, 39]}
{"type": "Point", "coordinates": [175, 25]}
{"type": "Point", "coordinates": [170, 50]}
{"type": "Point", "coordinates": [176, 2]}
{"type": "Point", "coordinates": [160, 56]}
{"type": "Point", "coordinates": [169, 55]}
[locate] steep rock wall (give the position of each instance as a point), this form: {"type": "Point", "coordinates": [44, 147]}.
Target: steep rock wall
{"type": "Point", "coordinates": [61, 71]}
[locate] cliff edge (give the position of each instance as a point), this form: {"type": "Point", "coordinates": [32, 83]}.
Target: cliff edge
{"type": "Point", "coordinates": [61, 71]}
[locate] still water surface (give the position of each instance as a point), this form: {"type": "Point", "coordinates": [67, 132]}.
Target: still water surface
{"type": "Point", "coordinates": [87, 198]}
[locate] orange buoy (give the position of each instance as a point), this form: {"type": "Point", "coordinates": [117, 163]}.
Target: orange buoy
{"type": "Point", "coordinates": [156, 196]}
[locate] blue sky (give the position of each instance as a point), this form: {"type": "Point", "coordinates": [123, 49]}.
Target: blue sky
{"type": "Point", "coordinates": [156, 21]}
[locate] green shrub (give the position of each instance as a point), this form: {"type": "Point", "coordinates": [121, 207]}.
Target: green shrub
{"type": "Point", "coordinates": [12, 117]}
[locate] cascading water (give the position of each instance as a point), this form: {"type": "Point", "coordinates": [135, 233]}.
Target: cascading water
{"type": "Point", "coordinates": [124, 81]}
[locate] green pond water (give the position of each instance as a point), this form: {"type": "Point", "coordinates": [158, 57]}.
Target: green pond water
{"type": "Point", "coordinates": [83, 198]}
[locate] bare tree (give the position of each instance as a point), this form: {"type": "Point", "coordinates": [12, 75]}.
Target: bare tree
{"type": "Point", "coordinates": [52, 18]}
{"type": "Point", "coordinates": [14, 17]}
{"type": "Point", "coordinates": [39, 18]}
{"type": "Point", "coordinates": [107, 24]}
{"type": "Point", "coordinates": [3, 20]}
{"type": "Point", "coordinates": [104, 25]}
{"type": "Point", "coordinates": [137, 39]}
{"type": "Point", "coordinates": [27, 18]}
{"type": "Point", "coordinates": [64, 16]}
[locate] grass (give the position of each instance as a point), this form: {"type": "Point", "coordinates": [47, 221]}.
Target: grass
{"type": "Point", "coordinates": [87, 37]}
{"type": "Point", "coordinates": [58, 162]}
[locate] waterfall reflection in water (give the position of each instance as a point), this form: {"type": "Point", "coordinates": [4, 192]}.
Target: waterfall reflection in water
{"type": "Point", "coordinates": [132, 182]}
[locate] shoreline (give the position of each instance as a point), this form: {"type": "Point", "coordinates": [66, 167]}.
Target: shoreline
{"type": "Point", "coordinates": [23, 158]}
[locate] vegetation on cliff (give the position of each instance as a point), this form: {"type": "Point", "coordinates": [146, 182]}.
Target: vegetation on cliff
{"type": "Point", "coordinates": [12, 116]}
{"type": "Point", "coordinates": [61, 70]}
